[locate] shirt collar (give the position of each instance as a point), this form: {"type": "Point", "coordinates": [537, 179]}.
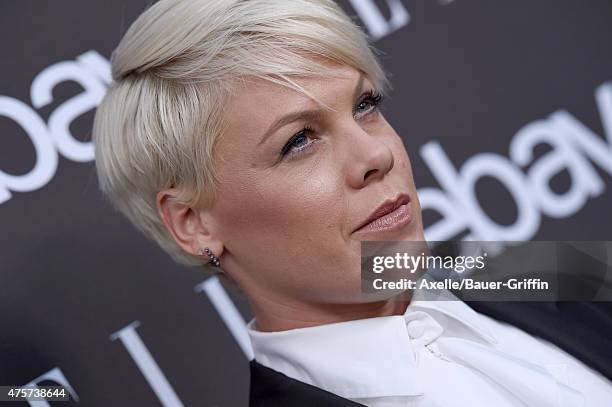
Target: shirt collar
{"type": "Point", "coordinates": [463, 315]}
{"type": "Point", "coordinates": [351, 358]}
{"type": "Point", "coordinates": [346, 358]}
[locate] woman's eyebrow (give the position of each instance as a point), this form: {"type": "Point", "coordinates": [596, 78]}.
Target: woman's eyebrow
{"type": "Point", "coordinates": [311, 114]}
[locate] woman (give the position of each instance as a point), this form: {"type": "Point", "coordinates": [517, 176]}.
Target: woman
{"type": "Point", "coordinates": [247, 136]}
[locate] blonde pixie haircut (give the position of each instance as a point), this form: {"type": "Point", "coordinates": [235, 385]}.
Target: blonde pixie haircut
{"type": "Point", "coordinates": [173, 72]}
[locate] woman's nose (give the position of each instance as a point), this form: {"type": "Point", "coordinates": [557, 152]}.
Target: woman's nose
{"type": "Point", "coordinates": [370, 157]}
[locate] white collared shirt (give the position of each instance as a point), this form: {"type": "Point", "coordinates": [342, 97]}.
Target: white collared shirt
{"type": "Point", "coordinates": [439, 353]}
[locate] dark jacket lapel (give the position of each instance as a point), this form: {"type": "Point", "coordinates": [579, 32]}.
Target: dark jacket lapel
{"type": "Point", "coordinates": [270, 388]}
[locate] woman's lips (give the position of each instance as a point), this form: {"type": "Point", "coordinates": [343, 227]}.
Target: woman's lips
{"type": "Point", "coordinates": [391, 221]}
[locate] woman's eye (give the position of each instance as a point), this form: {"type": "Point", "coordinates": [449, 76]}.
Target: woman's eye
{"type": "Point", "coordinates": [297, 143]}
{"type": "Point", "coordinates": [368, 102]}
{"type": "Point", "coordinates": [364, 106]}
{"type": "Point", "coordinates": [301, 141]}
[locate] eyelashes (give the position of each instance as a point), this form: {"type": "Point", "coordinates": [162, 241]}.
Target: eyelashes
{"type": "Point", "coordinates": [374, 98]}
{"type": "Point", "coordinates": [368, 103]}
{"type": "Point", "coordinates": [293, 141]}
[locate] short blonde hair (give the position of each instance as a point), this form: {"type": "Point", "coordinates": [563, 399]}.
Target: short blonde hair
{"type": "Point", "coordinates": [174, 70]}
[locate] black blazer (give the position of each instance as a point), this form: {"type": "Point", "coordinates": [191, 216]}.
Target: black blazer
{"type": "Point", "coordinates": [583, 329]}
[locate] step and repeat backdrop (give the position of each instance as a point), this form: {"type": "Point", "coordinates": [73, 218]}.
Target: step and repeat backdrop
{"type": "Point", "coordinates": [505, 108]}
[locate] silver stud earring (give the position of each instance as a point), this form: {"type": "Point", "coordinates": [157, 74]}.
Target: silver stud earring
{"type": "Point", "coordinates": [214, 260]}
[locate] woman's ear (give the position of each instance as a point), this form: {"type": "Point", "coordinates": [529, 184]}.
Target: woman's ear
{"type": "Point", "coordinates": [190, 227]}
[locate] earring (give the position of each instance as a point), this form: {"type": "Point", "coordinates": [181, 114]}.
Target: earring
{"type": "Point", "coordinates": [214, 260]}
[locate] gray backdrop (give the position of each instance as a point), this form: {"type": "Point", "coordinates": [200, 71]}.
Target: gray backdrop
{"type": "Point", "coordinates": [505, 108]}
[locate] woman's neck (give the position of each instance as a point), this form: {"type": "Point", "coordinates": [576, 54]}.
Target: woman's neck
{"type": "Point", "coordinates": [272, 315]}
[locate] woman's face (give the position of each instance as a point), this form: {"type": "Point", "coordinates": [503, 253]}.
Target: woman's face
{"type": "Point", "coordinates": [297, 180]}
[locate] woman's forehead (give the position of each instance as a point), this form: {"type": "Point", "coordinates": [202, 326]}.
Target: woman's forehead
{"type": "Point", "coordinates": [285, 84]}
{"type": "Point", "coordinates": [258, 106]}
{"type": "Point", "coordinates": [266, 97]}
